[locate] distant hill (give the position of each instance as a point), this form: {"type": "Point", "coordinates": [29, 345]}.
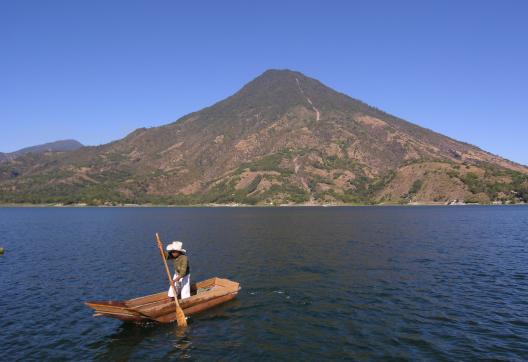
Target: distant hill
{"type": "Point", "coordinates": [57, 146]}
{"type": "Point", "coordinates": [283, 138]}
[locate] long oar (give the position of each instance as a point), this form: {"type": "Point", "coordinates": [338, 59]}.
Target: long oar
{"type": "Point", "coordinates": [180, 316]}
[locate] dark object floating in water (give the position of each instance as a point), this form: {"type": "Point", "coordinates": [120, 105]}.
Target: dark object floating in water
{"type": "Point", "coordinates": [158, 307]}
{"type": "Point", "coordinates": [1, 251]}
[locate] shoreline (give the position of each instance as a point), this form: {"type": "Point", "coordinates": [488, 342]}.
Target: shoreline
{"type": "Point", "coordinates": [124, 206]}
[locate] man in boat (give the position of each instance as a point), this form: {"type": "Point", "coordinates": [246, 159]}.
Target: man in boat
{"type": "Point", "coordinates": [182, 276]}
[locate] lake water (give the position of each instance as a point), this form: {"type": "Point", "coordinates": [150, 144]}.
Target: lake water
{"type": "Point", "coordinates": [356, 283]}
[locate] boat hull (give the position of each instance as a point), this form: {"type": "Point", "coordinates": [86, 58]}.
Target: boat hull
{"type": "Point", "coordinates": [158, 307]}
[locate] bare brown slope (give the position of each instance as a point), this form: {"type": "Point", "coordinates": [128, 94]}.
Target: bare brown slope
{"type": "Point", "coordinates": [283, 137]}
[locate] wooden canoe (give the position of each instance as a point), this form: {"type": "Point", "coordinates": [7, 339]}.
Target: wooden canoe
{"type": "Point", "coordinates": [158, 307]}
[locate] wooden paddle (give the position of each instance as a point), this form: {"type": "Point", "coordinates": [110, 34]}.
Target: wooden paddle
{"type": "Point", "coordinates": [180, 316]}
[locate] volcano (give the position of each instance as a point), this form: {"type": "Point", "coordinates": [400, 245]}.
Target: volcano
{"type": "Point", "coordinates": [284, 138]}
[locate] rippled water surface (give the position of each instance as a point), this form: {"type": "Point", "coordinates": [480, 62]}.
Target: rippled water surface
{"type": "Point", "coordinates": [359, 283]}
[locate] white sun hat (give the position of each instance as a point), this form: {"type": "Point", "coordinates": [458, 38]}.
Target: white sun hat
{"type": "Point", "coordinates": [176, 246]}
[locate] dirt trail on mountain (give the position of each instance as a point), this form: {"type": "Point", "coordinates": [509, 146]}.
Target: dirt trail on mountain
{"type": "Point", "coordinates": [317, 113]}
{"type": "Point", "coordinates": [297, 166]}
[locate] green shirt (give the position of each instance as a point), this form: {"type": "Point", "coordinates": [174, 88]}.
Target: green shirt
{"type": "Point", "coordinates": [181, 264]}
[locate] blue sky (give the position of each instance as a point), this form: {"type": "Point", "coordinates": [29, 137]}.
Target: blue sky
{"type": "Point", "coordinates": [96, 70]}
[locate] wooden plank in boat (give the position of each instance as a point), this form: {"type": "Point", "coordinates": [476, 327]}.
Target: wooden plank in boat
{"type": "Point", "coordinates": [160, 299]}
{"type": "Point", "coordinates": [107, 308]}
{"type": "Point", "coordinates": [109, 311]}
{"type": "Point", "coordinates": [162, 295]}
{"type": "Point", "coordinates": [206, 283]}
{"type": "Point", "coordinates": [113, 303]}
{"type": "Point", "coordinates": [153, 304]}
{"type": "Point", "coordinates": [209, 304]}
{"type": "Point", "coordinates": [147, 299]}
{"type": "Point", "coordinates": [157, 309]}
{"type": "Point", "coordinates": [226, 283]}
{"type": "Point", "coordinates": [126, 317]}
{"type": "Point", "coordinates": [171, 316]}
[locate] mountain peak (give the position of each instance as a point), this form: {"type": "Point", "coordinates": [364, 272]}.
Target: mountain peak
{"type": "Point", "coordinates": [275, 92]}
{"type": "Point", "coordinates": [277, 79]}
{"type": "Point", "coordinates": [282, 73]}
